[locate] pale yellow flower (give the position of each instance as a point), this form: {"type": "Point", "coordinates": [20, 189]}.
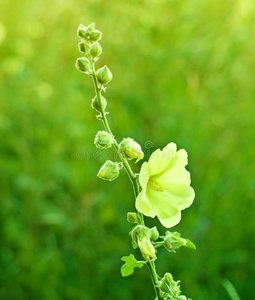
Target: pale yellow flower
{"type": "Point", "coordinates": [165, 183]}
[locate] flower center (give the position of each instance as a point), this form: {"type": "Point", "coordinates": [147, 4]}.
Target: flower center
{"type": "Point", "coordinates": [155, 186]}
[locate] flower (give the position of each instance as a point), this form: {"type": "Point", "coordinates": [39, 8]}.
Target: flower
{"type": "Point", "coordinates": [165, 183]}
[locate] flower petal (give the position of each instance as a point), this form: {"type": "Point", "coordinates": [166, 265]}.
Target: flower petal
{"type": "Point", "coordinates": [144, 175]}
{"type": "Point", "coordinates": [176, 172]}
{"type": "Point", "coordinates": [143, 205]}
{"type": "Point", "coordinates": [179, 195]}
{"type": "Point", "coordinates": [162, 207]}
{"type": "Point", "coordinates": [159, 160]}
{"type": "Point", "coordinates": [169, 221]}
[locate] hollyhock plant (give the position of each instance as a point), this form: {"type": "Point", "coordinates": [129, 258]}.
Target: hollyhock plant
{"type": "Point", "coordinates": [162, 188]}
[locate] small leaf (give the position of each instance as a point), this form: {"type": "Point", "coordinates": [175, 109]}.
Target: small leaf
{"type": "Point", "coordinates": [131, 263]}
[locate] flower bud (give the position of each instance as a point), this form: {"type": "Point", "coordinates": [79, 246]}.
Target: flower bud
{"type": "Point", "coordinates": [109, 171]}
{"type": "Point", "coordinates": [83, 47]}
{"type": "Point", "coordinates": [82, 30]}
{"type": "Point", "coordinates": [85, 32]}
{"type": "Point", "coordinates": [83, 65]}
{"type": "Point", "coordinates": [154, 233]}
{"type": "Point", "coordinates": [103, 140]}
{"type": "Point", "coordinates": [131, 149]}
{"type": "Point", "coordinates": [104, 75]}
{"type": "Point", "coordinates": [95, 35]}
{"type": "Point", "coordinates": [147, 249]}
{"type": "Point", "coordinates": [141, 238]}
{"type": "Point", "coordinates": [173, 241]}
{"type": "Point", "coordinates": [95, 50]}
{"type": "Point", "coordinates": [96, 106]}
{"type": "Point", "coordinates": [132, 217]}
{"type": "Point", "coordinates": [169, 285]}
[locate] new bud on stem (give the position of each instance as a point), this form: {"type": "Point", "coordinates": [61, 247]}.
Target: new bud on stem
{"type": "Point", "coordinates": [82, 30]}
{"type": "Point", "coordinates": [132, 217]}
{"type": "Point", "coordinates": [131, 149]}
{"type": "Point", "coordinates": [103, 140]}
{"type": "Point", "coordinates": [83, 47]}
{"type": "Point", "coordinates": [169, 285]}
{"type": "Point", "coordinates": [154, 233]}
{"type": "Point", "coordinates": [109, 171]}
{"type": "Point", "coordinates": [95, 35]}
{"type": "Point", "coordinates": [95, 50]}
{"type": "Point", "coordinates": [95, 103]}
{"type": "Point", "coordinates": [83, 65]}
{"type": "Point", "coordinates": [174, 241]}
{"type": "Point", "coordinates": [104, 75]}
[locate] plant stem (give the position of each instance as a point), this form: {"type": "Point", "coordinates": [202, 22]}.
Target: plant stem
{"type": "Point", "coordinates": [154, 278]}
{"type": "Point", "coordinates": [133, 178]}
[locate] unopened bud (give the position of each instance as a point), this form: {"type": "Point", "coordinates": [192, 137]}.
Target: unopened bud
{"type": "Point", "coordinates": [141, 238]}
{"type": "Point", "coordinates": [95, 50]}
{"type": "Point", "coordinates": [83, 47]}
{"type": "Point", "coordinates": [85, 32]}
{"type": "Point", "coordinates": [168, 284]}
{"type": "Point", "coordinates": [147, 249]}
{"type": "Point", "coordinates": [131, 149]}
{"type": "Point", "coordinates": [95, 104]}
{"type": "Point", "coordinates": [82, 31]}
{"type": "Point", "coordinates": [83, 65]}
{"type": "Point", "coordinates": [95, 35]}
{"type": "Point", "coordinates": [103, 140]}
{"type": "Point", "coordinates": [109, 171]}
{"type": "Point", "coordinates": [154, 233]}
{"type": "Point", "coordinates": [104, 75]}
{"type": "Point", "coordinates": [132, 217]}
{"type": "Point", "coordinates": [173, 241]}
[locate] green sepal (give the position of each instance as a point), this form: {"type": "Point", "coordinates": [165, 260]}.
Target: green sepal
{"type": "Point", "coordinates": [190, 244]}
{"type": "Point", "coordinates": [131, 263]}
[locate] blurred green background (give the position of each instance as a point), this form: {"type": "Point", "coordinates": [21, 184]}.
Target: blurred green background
{"type": "Point", "coordinates": [183, 72]}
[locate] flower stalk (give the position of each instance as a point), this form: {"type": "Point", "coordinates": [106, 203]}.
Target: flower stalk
{"type": "Point", "coordinates": [150, 187]}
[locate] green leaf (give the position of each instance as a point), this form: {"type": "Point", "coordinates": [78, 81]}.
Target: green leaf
{"type": "Point", "coordinates": [128, 268]}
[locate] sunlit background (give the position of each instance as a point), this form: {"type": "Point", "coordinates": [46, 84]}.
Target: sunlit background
{"type": "Point", "coordinates": [183, 72]}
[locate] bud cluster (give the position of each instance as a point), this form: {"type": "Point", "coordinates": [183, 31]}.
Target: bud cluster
{"type": "Point", "coordinates": [90, 46]}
